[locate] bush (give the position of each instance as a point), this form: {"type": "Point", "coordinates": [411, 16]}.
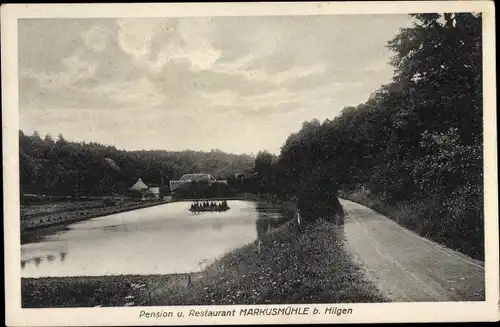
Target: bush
{"type": "Point", "coordinates": [109, 202]}
{"type": "Point", "coordinates": [318, 199]}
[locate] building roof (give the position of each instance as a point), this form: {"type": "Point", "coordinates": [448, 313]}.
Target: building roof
{"type": "Point", "coordinates": [139, 185]}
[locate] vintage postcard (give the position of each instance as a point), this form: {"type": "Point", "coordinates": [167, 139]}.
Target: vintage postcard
{"type": "Point", "coordinates": [249, 163]}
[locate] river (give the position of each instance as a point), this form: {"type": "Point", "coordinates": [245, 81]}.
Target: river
{"type": "Point", "coordinates": [164, 239]}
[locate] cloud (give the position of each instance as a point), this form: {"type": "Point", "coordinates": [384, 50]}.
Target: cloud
{"type": "Point", "coordinates": [96, 38]}
{"type": "Point", "coordinates": [141, 93]}
{"type": "Point", "coordinates": [198, 82]}
{"type": "Point", "coordinates": [135, 35]}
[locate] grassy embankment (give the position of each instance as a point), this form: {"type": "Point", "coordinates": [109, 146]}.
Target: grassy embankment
{"type": "Point", "coordinates": [285, 266]}
{"type": "Point", "coordinates": [45, 215]}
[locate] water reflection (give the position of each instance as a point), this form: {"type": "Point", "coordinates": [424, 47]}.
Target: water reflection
{"type": "Point", "coordinates": [217, 226]}
{"type": "Point", "coordinates": [269, 218]}
{"type": "Point", "coordinates": [40, 259]}
{"type": "Point", "coordinates": [157, 240]}
{"type": "Point", "coordinates": [39, 235]}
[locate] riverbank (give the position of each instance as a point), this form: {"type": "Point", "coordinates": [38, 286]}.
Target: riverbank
{"type": "Point", "coordinates": [284, 266]}
{"type": "Point", "coordinates": [70, 216]}
{"type": "Point", "coordinates": [92, 291]}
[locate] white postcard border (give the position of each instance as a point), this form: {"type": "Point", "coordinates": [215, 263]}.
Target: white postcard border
{"type": "Point", "coordinates": [362, 313]}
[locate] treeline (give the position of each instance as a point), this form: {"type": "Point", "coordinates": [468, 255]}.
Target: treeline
{"type": "Point", "coordinates": [206, 190]}
{"type": "Point", "coordinates": [414, 149]}
{"type": "Point", "coordinates": [59, 167]}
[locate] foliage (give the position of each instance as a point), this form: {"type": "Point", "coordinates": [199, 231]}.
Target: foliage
{"type": "Point", "coordinates": [90, 291]}
{"type": "Point", "coordinates": [74, 169]}
{"type": "Point", "coordinates": [202, 189]}
{"type": "Point", "coordinates": [263, 168]}
{"type": "Point", "coordinates": [416, 143]}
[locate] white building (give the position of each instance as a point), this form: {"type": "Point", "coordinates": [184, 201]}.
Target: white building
{"type": "Point", "coordinates": [155, 192]}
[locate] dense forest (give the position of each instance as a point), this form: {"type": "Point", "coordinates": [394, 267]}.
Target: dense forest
{"type": "Point", "coordinates": [414, 149]}
{"type": "Point", "coordinates": [81, 169]}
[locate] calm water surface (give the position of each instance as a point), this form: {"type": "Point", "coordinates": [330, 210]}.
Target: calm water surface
{"type": "Point", "coordinates": [157, 240]}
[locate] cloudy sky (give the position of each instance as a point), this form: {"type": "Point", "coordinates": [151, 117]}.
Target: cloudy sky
{"type": "Point", "coordinates": [239, 84]}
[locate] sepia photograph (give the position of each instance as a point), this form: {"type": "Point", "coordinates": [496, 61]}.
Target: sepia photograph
{"type": "Point", "coordinates": [197, 167]}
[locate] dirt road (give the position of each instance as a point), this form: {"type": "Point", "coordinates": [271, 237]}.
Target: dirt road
{"type": "Point", "coordinates": [407, 267]}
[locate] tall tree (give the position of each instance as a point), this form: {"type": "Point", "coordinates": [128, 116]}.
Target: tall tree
{"type": "Point", "coordinates": [417, 141]}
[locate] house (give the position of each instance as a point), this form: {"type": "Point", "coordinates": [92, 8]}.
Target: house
{"type": "Point", "coordinates": [139, 190]}
{"type": "Point", "coordinates": [153, 193]}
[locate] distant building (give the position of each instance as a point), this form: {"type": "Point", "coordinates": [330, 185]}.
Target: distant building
{"type": "Point", "coordinates": [139, 190]}
{"type": "Point", "coordinates": [189, 178]}
{"type": "Point", "coordinates": [139, 186]}
{"type": "Point", "coordinates": [154, 193]}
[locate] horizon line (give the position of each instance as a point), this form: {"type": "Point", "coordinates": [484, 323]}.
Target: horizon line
{"type": "Point", "coordinates": [251, 154]}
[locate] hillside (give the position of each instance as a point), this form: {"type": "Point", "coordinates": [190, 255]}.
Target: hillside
{"type": "Point", "coordinates": [70, 168]}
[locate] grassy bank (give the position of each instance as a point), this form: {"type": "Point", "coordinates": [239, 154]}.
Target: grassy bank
{"type": "Point", "coordinates": [90, 291]}
{"type": "Point", "coordinates": [42, 209]}
{"type": "Point", "coordinates": [291, 267]}
{"type": "Point", "coordinates": [287, 266]}
{"type": "Point", "coordinates": [78, 213]}
{"type": "Point", "coordinates": [433, 220]}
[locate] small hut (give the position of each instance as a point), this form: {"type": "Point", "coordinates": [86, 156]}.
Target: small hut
{"type": "Point", "coordinates": [139, 190]}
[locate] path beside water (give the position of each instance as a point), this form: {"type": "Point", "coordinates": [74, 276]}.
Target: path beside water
{"type": "Point", "coordinates": [407, 267]}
